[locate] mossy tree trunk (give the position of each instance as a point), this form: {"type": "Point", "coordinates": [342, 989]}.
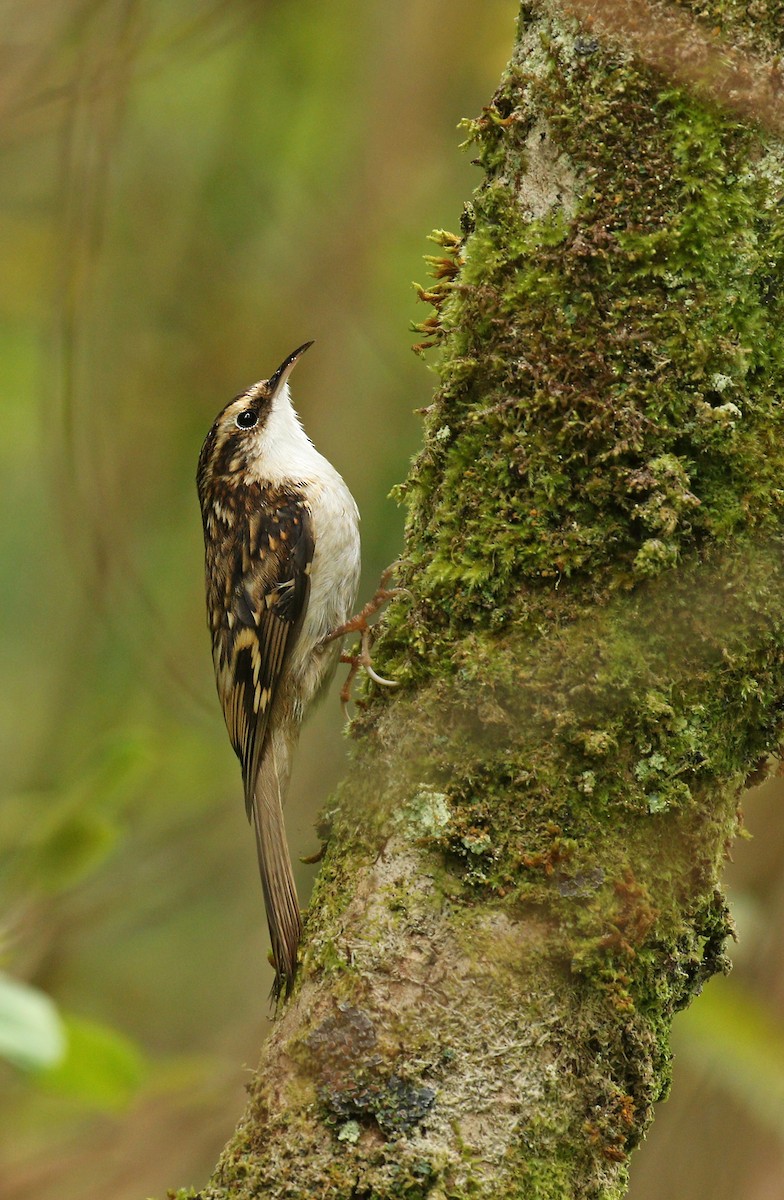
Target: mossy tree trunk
{"type": "Point", "coordinates": [521, 886]}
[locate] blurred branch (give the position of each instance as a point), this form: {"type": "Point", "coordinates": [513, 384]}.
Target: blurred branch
{"type": "Point", "coordinates": [522, 881]}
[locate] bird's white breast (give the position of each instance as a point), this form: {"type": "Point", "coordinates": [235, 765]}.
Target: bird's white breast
{"type": "Point", "coordinates": [334, 575]}
{"type": "Point", "coordinates": [286, 455]}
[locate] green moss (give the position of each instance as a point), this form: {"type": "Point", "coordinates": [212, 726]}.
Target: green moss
{"type": "Point", "coordinates": [609, 380]}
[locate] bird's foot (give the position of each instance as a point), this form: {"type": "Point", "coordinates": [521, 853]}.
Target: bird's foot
{"type": "Point", "coordinates": [361, 624]}
{"type": "Point", "coordinates": [361, 662]}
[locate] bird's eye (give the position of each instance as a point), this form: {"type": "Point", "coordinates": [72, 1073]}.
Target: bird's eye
{"type": "Point", "coordinates": [246, 419]}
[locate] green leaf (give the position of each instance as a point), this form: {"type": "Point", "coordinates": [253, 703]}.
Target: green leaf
{"type": "Point", "coordinates": [102, 1069]}
{"type": "Point", "coordinates": [31, 1031]}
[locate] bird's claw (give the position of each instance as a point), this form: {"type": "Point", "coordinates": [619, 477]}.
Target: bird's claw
{"type": "Point", "coordinates": [358, 662]}
{"type": "Point", "coordinates": [361, 624]}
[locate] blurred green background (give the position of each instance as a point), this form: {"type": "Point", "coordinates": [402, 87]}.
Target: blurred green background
{"type": "Point", "coordinates": [188, 191]}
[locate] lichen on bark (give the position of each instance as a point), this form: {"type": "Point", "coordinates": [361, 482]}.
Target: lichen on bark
{"type": "Point", "coordinates": [522, 882]}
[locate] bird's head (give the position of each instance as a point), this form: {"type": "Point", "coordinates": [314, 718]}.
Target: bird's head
{"type": "Point", "coordinates": [240, 433]}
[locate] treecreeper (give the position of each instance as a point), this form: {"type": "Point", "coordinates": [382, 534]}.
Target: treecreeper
{"type": "Point", "coordinates": [282, 558]}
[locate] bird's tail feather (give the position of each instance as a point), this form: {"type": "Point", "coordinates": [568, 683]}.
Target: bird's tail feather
{"type": "Point", "coordinates": [277, 879]}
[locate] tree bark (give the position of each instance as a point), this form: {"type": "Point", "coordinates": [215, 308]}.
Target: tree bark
{"type": "Point", "coordinates": [522, 881]}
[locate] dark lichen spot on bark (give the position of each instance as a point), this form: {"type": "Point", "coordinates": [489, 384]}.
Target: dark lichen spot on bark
{"type": "Point", "coordinates": [354, 1081]}
{"type": "Point", "coordinates": [394, 1104]}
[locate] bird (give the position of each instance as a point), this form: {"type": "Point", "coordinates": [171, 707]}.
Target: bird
{"type": "Point", "coordinates": [282, 563]}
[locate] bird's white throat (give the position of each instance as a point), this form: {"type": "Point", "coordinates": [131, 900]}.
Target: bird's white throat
{"type": "Point", "coordinates": [283, 451]}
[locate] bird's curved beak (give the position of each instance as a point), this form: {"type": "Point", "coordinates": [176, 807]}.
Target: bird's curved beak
{"type": "Point", "coordinates": [277, 381]}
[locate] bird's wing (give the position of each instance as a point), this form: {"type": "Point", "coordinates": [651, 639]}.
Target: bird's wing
{"type": "Point", "coordinates": [266, 597]}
